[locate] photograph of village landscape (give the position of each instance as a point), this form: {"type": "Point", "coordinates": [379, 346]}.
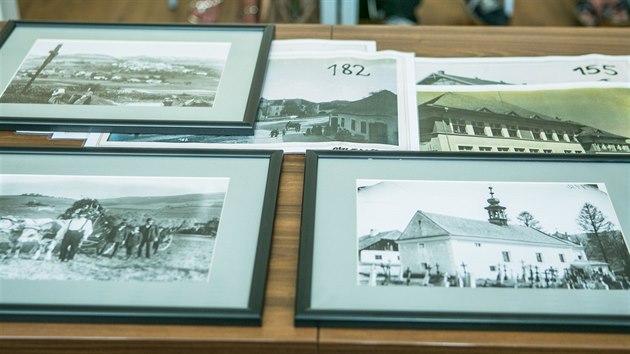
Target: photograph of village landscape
{"type": "Point", "coordinates": [118, 73]}
{"type": "Point", "coordinates": [501, 235]}
{"type": "Point", "coordinates": [563, 121]}
{"type": "Point", "coordinates": [109, 228]}
{"type": "Point", "coordinates": [313, 100]}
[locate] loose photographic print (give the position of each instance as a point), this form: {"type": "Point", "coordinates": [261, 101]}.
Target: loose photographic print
{"type": "Point", "coordinates": [565, 119]}
{"type": "Point", "coordinates": [522, 70]}
{"type": "Point", "coordinates": [414, 233]}
{"type": "Point", "coordinates": [119, 73]}
{"type": "Point", "coordinates": [109, 228]}
{"type": "Point", "coordinates": [317, 100]}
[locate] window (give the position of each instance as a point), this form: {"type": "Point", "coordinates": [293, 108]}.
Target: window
{"type": "Point", "coordinates": [580, 257]}
{"type": "Point", "coordinates": [477, 244]}
{"type": "Point", "coordinates": [512, 131]}
{"type": "Point", "coordinates": [496, 129]}
{"type": "Point", "coordinates": [503, 149]}
{"type": "Point", "coordinates": [561, 256]}
{"type": "Point", "coordinates": [343, 122]}
{"type": "Point", "coordinates": [519, 149]}
{"type": "Point", "coordinates": [527, 134]}
{"type": "Point", "coordinates": [363, 127]}
{"type": "Point", "coordinates": [493, 268]}
{"type": "Point", "coordinates": [567, 151]}
{"type": "Point", "coordinates": [465, 148]}
{"type": "Point", "coordinates": [378, 256]}
{"type": "Point", "coordinates": [537, 134]}
{"type": "Point", "coordinates": [578, 151]}
{"type": "Point", "coordinates": [353, 124]}
{"type": "Point", "coordinates": [547, 151]}
{"type": "Point", "coordinates": [478, 128]}
{"type": "Point", "coordinates": [421, 245]}
{"type": "Point", "coordinates": [539, 257]}
{"type": "Point", "coordinates": [485, 148]}
{"type": "Point", "coordinates": [534, 150]}
{"type": "Point", "coordinates": [551, 135]}
{"type": "Point", "coordinates": [459, 126]}
{"type": "Point", "coordinates": [506, 256]}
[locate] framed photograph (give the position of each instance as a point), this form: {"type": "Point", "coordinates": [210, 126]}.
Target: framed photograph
{"type": "Point", "coordinates": [140, 237]}
{"type": "Point", "coordinates": [467, 241]}
{"type": "Point", "coordinates": [132, 78]}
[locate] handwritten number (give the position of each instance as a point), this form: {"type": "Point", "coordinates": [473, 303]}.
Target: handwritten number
{"type": "Point", "coordinates": [349, 69]}
{"type": "Point", "coordinates": [594, 70]}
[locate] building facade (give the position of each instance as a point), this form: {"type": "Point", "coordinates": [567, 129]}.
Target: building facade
{"type": "Point", "coordinates": [484, 250]}
{"type": "Point", "coordinates": [458, 122]}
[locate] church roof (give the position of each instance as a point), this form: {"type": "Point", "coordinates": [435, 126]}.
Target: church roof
{"type": "Point", "coordinates": [447, 225]}
{"type": "Point", "coordinates": [368, 240]}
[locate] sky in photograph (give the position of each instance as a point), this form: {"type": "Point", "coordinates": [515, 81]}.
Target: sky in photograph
{"type": "Point", "coordinates": [103, 187]}
{"type": "Point", "coordinates": [388, 205]}
{"type": "Point", "coordinates": [534, 70]}
{"type": "Point", "coordinates": [604, 108]}
{"type": "Point", "coordinates": [121, 49]}
{"type": "Point", "coordinates": [311, 78]}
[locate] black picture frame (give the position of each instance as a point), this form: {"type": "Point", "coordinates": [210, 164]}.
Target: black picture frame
{"type": "Point", "coordinates": [137, 78]}
{"type": "Point", "coordinates": [330, 293]}
{"type": "Point", "coordinates": [164, 292]}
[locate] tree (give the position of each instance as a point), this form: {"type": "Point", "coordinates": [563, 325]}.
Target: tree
{"type": "Point", "coordinates": [529, 220]}
{"type": "Point", "coordinates": [595, 223]}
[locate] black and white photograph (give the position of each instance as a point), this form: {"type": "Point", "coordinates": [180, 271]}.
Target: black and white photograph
{"type": "Point", "coordinates": [109, 228]}
{"type": "Point", "coordinates": [522, 70]}
{"type": "Point", "coordinates": [586, 119]}
{"type": "Point", "coordinates": [475, 234]}
{"type": "Point", "coordinates": [119, 73]}
{"type": "Point", "coordinates": [315, 100]}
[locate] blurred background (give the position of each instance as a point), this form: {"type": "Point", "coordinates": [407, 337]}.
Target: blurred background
{"type": "Point", "coordinates": [427, 12]}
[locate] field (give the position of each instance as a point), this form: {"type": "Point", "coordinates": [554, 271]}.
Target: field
{"type": "Point", "coordinates": [187, 259]}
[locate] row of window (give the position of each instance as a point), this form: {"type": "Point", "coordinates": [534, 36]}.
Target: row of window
{"type": "Point", "coordinates": [507, 149]}
{"type": "Point", "coordinates": [459, 126]}
{"type": "Point", "coordinates": [539, 257]}
{"type": "Point", "coordinates": [508, 258]}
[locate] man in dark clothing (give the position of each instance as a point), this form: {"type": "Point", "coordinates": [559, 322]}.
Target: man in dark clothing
{"type": "Point", "coordinates": [149, 233]}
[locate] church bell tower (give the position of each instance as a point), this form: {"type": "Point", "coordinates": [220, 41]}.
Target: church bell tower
{"type": "Point", "coordinates": [496, 212]}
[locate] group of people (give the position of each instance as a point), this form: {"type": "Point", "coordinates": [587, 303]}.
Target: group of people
{"type": "Point", "coordinates": [135, 239]}
{"type": "Point", "coordinates": [499, 12]}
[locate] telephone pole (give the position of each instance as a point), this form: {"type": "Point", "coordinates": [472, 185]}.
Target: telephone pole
{"type": "Point", "coordinates": [51, 56]}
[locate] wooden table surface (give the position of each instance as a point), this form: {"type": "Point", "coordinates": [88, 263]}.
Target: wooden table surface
{"type": "Point", "coordinates": [277, 333]}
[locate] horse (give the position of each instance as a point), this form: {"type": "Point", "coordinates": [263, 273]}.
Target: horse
{"type": "Point", "coordinates": [38, 235]}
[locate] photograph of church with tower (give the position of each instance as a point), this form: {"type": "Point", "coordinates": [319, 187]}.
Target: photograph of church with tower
{"type": "Point", "coordinates": [500, 235]}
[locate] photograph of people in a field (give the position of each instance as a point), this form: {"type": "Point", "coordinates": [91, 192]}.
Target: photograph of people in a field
{"type": "Point", "coordinates": [119, 73]}
{"type": "Point", "coordinates": [109, 228]}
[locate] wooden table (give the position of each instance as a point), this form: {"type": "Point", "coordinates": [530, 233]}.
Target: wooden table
{"type": "Point", "coordinates": [277, 333]}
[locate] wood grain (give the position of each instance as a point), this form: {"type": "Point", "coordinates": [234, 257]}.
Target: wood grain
{"type": "Point", "coordinates": [443, 41]}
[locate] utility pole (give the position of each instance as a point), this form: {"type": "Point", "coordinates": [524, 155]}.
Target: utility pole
{"type": "Point", "coordinates": [51, 56]}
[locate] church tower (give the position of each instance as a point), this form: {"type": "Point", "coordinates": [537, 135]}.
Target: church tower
{"type": "Point", "coordinates": [496, 212]}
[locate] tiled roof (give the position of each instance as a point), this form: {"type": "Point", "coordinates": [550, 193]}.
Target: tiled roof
{"type": "Point", "coordinates": [462, 227]}
{"type": "Point", "coordinates": [367, 240]}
